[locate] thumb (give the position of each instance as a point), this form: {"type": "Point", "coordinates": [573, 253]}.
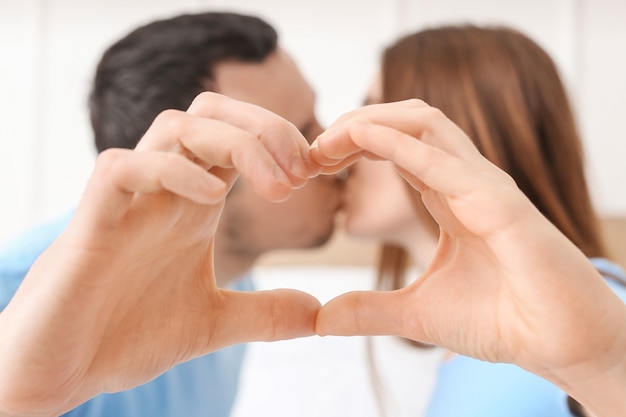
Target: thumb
{"type": "Point", "coordinates": [368, 313]}
{"type": "Point", "coordinates": [268, 315]}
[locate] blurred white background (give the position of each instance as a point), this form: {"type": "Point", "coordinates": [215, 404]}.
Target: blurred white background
{"type": "Point", "coordinates": [49, 50]}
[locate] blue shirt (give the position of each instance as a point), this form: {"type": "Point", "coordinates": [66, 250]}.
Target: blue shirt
{"type": "Point", "coordinates": [469, 387]}
{"type": "Point", "coordinates": [205, 386]}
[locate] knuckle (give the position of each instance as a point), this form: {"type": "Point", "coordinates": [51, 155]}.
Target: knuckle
{"type": "Point", "coordinates": [110, 163]}
{"type": "Point", "coordinates": [360, 118]}
{"type": "Point", "coordinates": [207, 103]}
{"type": "Point", "coordinates": [416, 102]}
{"type": "Point", "coordinates": [277, 126]}
{"type": "Point", "coordinates": [108, 159]}
{"type": "Point", "coordinates": [171, 159]}
{"type": "Point", "coordinates": [169, 119]}
{"type": "Point", "coordinates": [434, 113]}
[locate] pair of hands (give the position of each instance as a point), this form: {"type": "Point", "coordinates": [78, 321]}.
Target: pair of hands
{"type": "Point", "coordinates": [128, 290]}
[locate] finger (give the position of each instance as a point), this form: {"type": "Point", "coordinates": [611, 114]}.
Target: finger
{"type": "Point", "coordinates": [471, 188]}
{"type": "Point", "coordinates": [120, 173]}
{"type": "Point", "coordinates": [411, 179]}
{"type": "Point", "coordinates": [268, 315]}
{"type": "Point", "coordinates": [281, 138]}
{"type": "Point", "coordinates": [372, 108]}
{"type": "Point", "coordinates": [368, 313]}
{"type": "Point", "coordinates": [428, 164]}
{"type": "Point", "coordinates": [341, 165]}
{"type": "Point", "coordinates": [340, 146]}
{"type": "Point", "coordinates": [339, 128]}
{"type": "Point", "coordinates": [210, 143]}
{"type": "Point", "coordinates": [425, 123]}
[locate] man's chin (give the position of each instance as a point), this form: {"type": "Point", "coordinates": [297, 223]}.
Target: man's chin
{"type": "Point", "coordinates": [321, 240]}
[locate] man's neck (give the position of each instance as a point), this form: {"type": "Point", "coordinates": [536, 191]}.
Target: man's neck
{"type": "Point", "coordinates": [229, 267]}
{"type": "Point", "coordinates": [231, 261]}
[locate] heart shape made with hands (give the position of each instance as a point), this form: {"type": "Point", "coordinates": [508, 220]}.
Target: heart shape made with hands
{"type": "Point", "coordinates": [135, 292]}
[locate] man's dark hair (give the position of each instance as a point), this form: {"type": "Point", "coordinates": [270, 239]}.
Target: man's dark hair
{"type": "Point", "coordinates": [165, 65]}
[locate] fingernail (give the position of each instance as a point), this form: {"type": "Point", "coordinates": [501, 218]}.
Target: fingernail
{"type": "Point", "coordinates": [322, 136]}
{"type": "Point", "coordinates": [280, 176]}
{"type": "Point", "coordinates": [297, 167]}
{"type": "Point", "coordinates": [313, 169]}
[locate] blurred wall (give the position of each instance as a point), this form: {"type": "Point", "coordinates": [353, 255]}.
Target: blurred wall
{"type": "Point", "coordinates": [49, 49]}
{"type": "Point", "coordinates": [48, 52]}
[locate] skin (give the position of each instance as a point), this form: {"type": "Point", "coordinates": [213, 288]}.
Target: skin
{"type": "Point", "coordinates": [378, 205]}
{"type": "Point", "coordinates": [251, 225]}
{"type": "Point", "coordinates": [174, 283]}
{"type": "Point", "coordinates": [520, 291]}
{"type": "Point", "coordinates": [129, 289]}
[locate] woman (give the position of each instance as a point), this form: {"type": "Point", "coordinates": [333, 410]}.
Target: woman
{"type": "Point", "coordinates": [505, 93]}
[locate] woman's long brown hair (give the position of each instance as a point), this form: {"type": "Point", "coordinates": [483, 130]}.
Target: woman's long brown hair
{"type": "Point", "coordinates": [505, 92]}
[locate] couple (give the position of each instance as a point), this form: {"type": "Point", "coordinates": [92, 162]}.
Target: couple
{"type": "Point", "coordinates": [139, 266]}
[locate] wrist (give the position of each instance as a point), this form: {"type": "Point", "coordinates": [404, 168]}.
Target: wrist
{"type": "Point", "coordinates": [599, 394]}
{"type": "Point", "coordinates": [6, 411]}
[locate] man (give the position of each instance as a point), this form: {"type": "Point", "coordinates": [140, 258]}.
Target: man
{"type": "Point", "coordinates": [165, 65]}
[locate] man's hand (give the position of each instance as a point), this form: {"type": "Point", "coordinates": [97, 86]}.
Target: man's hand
{"type": "Point", "coordinates": [128, 290]}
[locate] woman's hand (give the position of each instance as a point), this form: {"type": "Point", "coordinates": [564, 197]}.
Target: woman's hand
{"type": "Point", "coordinates": [504, 286]}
